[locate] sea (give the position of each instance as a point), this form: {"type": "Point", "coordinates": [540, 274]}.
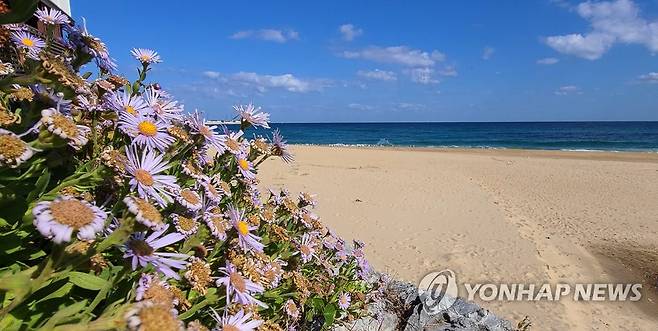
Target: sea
{"type": "Point", "coordinates": [572, 136]}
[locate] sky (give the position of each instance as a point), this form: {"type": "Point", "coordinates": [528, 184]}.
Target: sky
{"type": "Point", "coordinates": [377, 61]}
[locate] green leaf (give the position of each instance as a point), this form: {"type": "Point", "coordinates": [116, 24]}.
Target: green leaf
{"type": "Point", "coordinates": [329, 314]}
{"type": "Point", "coordinates": [40, 186]}
{"type": "Point", "coordinates": [87, 281]}
{"type": "Point", "coordinates": [21, 11]}
{"type": "Point", "coordinates": [62, 291]}
{"type": "Point", "coordinates": [63, 313]}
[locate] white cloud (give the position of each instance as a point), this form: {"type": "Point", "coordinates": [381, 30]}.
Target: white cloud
{"type": "Point", "coordinates": [349, 31]}
{"type": "Point", "coordinates": [438, 56]}
{"type": "Point", "coordinates": [264, 82]}
{"type": "Point", "coordinates": [359, 106]}
{"type": "Point", "coordinates": [488, 52]}
{"type": "Point", "coordinates": [410, 106]}
{"type": "Point", "coordinates": [611, 22]}
{"type": "Point", "coordinates": [548, 61]}
{"type": "Point", "coordinates": [422, 75]}
{"type": "Point", "coordinates": [567, 90]}
{"type": "Point", "coordinates": [212, 74]}
{"type": "Point", "coordinates": [275, 35]}
{"type": "Point", "coordinates": [651, 77]}
{"type": "Point", "coordinates": [378, 75]}
{"type": "Point", "coordinates": [401, 55]}
{"type": "Point", "coordinates": [448, 71]}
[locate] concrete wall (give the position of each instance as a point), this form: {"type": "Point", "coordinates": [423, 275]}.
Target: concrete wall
{"type": "Point", "coordinates": [64, 5]}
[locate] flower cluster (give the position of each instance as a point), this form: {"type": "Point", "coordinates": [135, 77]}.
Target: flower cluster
{"type": "Point", "coordinates": [117, 209]}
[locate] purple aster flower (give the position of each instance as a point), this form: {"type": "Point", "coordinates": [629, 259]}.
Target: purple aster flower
{"type": "Point", "coordinates": [186, 226]}
{"type": "Point", "coordinates": [239, 288]}
{"type": "Point", "coordinates": [306, 217]}
{"type": "Point", "coordinates": [6, 68]}
{"type": "Point", "coordinates": [238, 322]}
{"type": "Point", "coordinates": [146, 131]}
{"type": "Point", "coordinates": [306, 247]}
{"type": "Point", "coordinates": [80, 38]}
{"type": "Point", "coordinates": [189, 199]}
{"type": "Point", "coordinates": [58, 219]}
{"type": "Point", "coordinates": [254, 194]}
{"type": "Point", "coordinates": [308, 199]}
{"type": "Point", "coordinates": [234, 144]}
{"type": "Point", "coordinates": [273, 272]}
{"type": "Point", "coordinates": [245, 167]}
{"type": "Point", "coordinates": [49, 96]}
{"type": "Point", "coordinates": [151, 287]}
{"type": "Point", "coordinates": [144, 176]}
{"type": "Point", "coordinates": [212, 190]}
{"type": "Point", "coordinates": [163, 107]}
{"type": "Point", "coordinates": [145, 212]}
{"type": "Point", "coordinates": [193, 170]}
{"type": "Point", "coordinates": [246, 239]}
{"type": "Point", "coordinates": [146, 56]}
{"type": "Point", "coordinates": [123, 102]}
{"type": "Point", "coordinates": [344, 301]}
{"type": "Point", "coordinates": [280, 147]}
{"type": "Point", "coordinates": [142, 251]}
{"type": "Point", "coordinates": [27, 41]}
{"type": "Point", "coordinates": [217, 224]}
{"type": "Point", "coordinates": [64, 127]}
{"type": "Point", "coordinates": [198, 125]}
{"type": "Point", "coordinates": [87, 104]}
{"type": "Point", "coordinates": [291, 309]}
{"type": "Point", "coordinates": [13, 150]}
{"type": "Point", "coordinates": [147, 315]}
{"type": "Point", "coordinates": [252, 115]}
{"type": "Point", "coordinates": [52, 16]}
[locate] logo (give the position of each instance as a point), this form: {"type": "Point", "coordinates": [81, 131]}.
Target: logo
{"type": "Point", "coordinates": [438, 291]}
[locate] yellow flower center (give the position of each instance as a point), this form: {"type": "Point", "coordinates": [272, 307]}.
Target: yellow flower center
{"type": "Point", "coordinates": [244, 165]}
{"type": "Point", "coordinates": [220, 224]}
{"type": "Point", "coordinates": [147, 210]}
{"type": "Point", "coordinates": [199, 275]}
{"type": "Point", "coordinates": [228, 327]}
{"type": "Point", "coordinates": [130, 110]}
{"type": "Point", "coordinates": [225, 187]}
{"type": "Point", "coordinates": [72, 213]}
{"type": "Point", "coordinates": [190, 196]}
{"type": "Point", "coordinates": [27, 42]}
{"type": "Point", "coordinates": [11, 147]}
{"type": "Point", "coordinates": [66, 125]}
{"type": "Point", "coordinates": [212, 190]}
{"type": "Point", "coordinates": [145, 58]}
{"type": "Point", "coordinates": [147, 128]}
{"type": "Point", "coordinates": [232, 144]}
{"type": "Point", "coordinates": [158, 318]}
{"type": "Point", "coordinates": [305, 250]}
{"type": "Point", "coordinates": [185, 223]}
{"type": "Point", "coordinates": [243, 228]}
{"type": "Point", "coordinates": [140, 247]}
{"type": "Point", "coordinates": [159, 294]}
{"type": "Point", "coordinates": [238, 282]}
{"type": "Point", "coordinates": [205, 131]}
{"type": "Point", "coordinates": [144, 177]}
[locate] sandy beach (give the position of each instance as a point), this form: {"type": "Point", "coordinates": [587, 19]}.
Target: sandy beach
{"type": "Point", "coordinates": [497, 216]}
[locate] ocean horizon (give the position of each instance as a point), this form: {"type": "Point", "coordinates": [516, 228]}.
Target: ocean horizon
{"type": "Point", "coordinates": [640, 136]}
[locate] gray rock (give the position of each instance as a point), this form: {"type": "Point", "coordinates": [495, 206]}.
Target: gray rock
{"type": "Point", "coordinates": [399, 308]}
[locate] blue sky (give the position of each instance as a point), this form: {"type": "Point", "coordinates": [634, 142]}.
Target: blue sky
{"type": "Point", "coordinates": [349, 61]}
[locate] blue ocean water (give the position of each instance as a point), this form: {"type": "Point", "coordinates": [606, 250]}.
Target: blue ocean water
{"type": "Point", "coordinates": [610, 136]}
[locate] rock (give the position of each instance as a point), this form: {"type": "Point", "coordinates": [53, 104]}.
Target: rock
{"type": "Point", "coordinates": [399, 308]}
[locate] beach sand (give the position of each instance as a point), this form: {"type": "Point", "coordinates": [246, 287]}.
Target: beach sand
{"type": "Point", "coordinates": [496, 216]}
